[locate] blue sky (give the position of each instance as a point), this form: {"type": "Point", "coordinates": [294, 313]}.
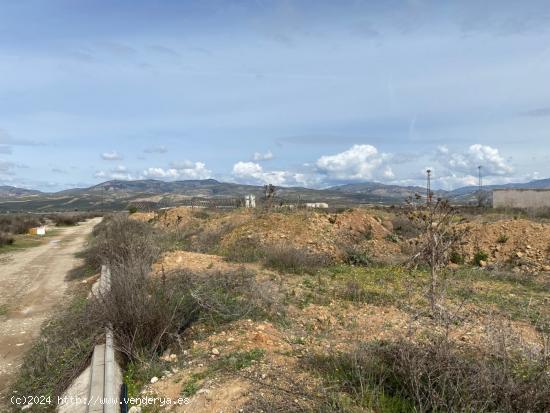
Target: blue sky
{"type": "Point", "coordinates": [313, 93]}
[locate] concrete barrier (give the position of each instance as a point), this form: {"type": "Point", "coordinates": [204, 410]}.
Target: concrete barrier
{"type": "Point", "coordinates": [97, 388]}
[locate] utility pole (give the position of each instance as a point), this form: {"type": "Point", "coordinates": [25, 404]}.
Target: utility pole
{"type": "Point", "coordinates": [428, 186]}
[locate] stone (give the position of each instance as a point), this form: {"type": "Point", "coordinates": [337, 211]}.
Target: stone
{"type": "Point", "coordinates": [215, 351]}
{"type": "Point", "coordinates": [135, 409]}
{"type": "Point", "coordinates": [154, 380]}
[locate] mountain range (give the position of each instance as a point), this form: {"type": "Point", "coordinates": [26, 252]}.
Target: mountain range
{"type": "Point", "coordinates": [116, 195]}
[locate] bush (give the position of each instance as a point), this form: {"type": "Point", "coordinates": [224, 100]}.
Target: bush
{"type": "Point", "coordinates": [287, 258]}
{"type": "Point", "coordinates": [436, 376]}
{"type": "Point", "coordinates": [502, 239]}
{"type": "Point", "coordinates": [6, 239]}
{"type": "Point", "coordinates": [354, 255]}
{"type": "Point", "coordinates": [19, 223]}
{"type": "Point", "coordinates": [118, 239]}
{"type": "Point", "coordinates": [244, 250]}
{"type": "Point", "coordinates": [480, 256]}
{"type": "Point", "coordinates": [456, 258]}
{"type": "Point", "coordinates": [132, 210]}
{"type": "Point", "coordinates": [62, 352]}
{"type": "Point", "coordinates": [405, 228]}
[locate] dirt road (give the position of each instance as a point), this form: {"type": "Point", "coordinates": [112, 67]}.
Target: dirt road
{"type": "Point", "coordinates": [32, 283]}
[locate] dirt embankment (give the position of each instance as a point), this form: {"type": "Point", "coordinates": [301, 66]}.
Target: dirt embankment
{"type": "Point", "coordinates": [521, 243]}
{"type": "Point", "coordinates": [314, 231]}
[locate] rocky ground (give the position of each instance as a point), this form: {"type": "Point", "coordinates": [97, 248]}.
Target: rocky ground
{"type": "Point", "coordinates": [253, 365]}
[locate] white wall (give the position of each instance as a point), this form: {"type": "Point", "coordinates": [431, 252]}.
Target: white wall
{"type": "Point", "coordinates": [521, 198]}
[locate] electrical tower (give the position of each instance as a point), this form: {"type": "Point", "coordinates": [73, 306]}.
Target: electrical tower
{"type": "Point", "coordinates": [428, 186]}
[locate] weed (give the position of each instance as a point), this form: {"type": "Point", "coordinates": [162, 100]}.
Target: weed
{"type": "Point", "coordinates": [392, 238]}
{"type": "Point", "coordinates": [502, 239]}
{"type": "Point", "coordinates": [239, 360]}
{"type": "Point", "coordinates": [480, 256]}
{"type": "Point", "coordinates": [290, 259]}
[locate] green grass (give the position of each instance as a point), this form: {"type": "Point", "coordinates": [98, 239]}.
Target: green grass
{"type": "Point", "coordinates": [520, 297]}
{"type": "Point", "coordinates": [3, 309]}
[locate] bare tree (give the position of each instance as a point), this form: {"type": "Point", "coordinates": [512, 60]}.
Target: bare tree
{"type": "Point", "coordinates": [439, 238]}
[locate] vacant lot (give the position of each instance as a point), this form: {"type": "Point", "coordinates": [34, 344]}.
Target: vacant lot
{"type": "Point", "coordinates": [304, 311]}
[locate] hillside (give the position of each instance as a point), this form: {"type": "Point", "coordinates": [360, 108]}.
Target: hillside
{"type": "Point", "coordinates": [117, 194]}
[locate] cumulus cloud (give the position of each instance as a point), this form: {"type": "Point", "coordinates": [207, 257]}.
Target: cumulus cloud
{"type": "Point", "coordinates": [120, 172]}
{"type": "Point", "coordinates": [258, 156]}
{"type": "Point", "coordinates": [180, 170]}
{"type": "Point", "coordinates": [253, 173]}
{"type": "Point", "coordinates": [359, 163]}
{"type": "Point", "coordinates": [111, 156]}
{"type": "Point", "coordinates": [477, 155]}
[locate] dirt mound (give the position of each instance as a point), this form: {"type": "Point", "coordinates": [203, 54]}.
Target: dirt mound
{"type": "Point", "coordinates": [319, 232]}
{"type": "Point", "coordinates": [143, 216]}
{"type": "Point", "coordinates": [524, 244]}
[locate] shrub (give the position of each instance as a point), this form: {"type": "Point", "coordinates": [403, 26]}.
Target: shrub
{"type": "Point", "coordinates": [118, 239]}
{"type": "Point", "coordinates": [502, 239]}
{"type": "Point", "coordinates": [435, 375]}
{"type": "Point", "coordinates": [480, 256]}
{"type": "Point", "coordinates": [59, 356]}
{"type": "Point", "coordinates": [354, 255]}
{"type": "Point", "coordinates": [456, 258]}
{"type": "Point", "coordinates": [288, 258]}
{"type": "Point", "coordinates": [19, 223]}
{"type": "Point", "coordinates": [244, 250]}
{"type": "Point", "coordinates": [132, 210]}
{"type": "Point", "coordinates": [6, 239]}
{"type": "Point", "coordinates": [403, 227]}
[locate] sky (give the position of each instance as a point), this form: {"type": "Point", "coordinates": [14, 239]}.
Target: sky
{"type": "Point", "coordinates": [308, 92]}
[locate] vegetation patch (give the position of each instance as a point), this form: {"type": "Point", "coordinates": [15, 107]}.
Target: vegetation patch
{"type": "Point", "coordinates": [64, 348]}
{"type": "Point", "coordinates": [432, 376]}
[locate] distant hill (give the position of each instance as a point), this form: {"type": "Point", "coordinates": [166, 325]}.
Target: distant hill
{"type": "Point", "coordinates": [117, 195]}
{"type": "Point", "coordinates": [11, 191]}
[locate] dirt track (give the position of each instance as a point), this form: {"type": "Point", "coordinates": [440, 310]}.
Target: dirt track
{"type": "Point", "coordinates": [32, 283]}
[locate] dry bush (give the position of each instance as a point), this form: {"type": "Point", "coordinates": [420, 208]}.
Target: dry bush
{"type": "Point", "coordinates": [144, 312]}
{"type": "Point", "coordinates": [208, 240]}
{"type": "Point", "coordinates": [403, 227]}
{"type": "Point", "coordinates": [440, 238]}
{"type": "Point", "coordinates": [292, 259]}
{"type": "Point", "coordinates": [19, 223]}
{"type": "Point", "coordinates": [62, 352]}
{"type": "Point", "coordinates": [435, 375]}
{"type": "Point", "coordinates": [6, 239]}
{"type": "Point", "coordinates": [118, 239]}
{"type": "Point", "coordinates": [244, 250]}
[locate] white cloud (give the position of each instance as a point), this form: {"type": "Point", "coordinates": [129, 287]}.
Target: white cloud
{"type": "Point", "coordinates": [360, 162]}
{"type": "Point", "coordinates": [489, 158]}
{"type": "Point", "coordinates": [253, 173]}
{"type": "Point", "coordinates": [120, 172]}
{"type": "Point", "coordinates": [180, 170]}
{"type": "Point", "coordinates": [258, 156]}
{"type": "Point", "coordinates": [111, 156]}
